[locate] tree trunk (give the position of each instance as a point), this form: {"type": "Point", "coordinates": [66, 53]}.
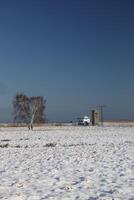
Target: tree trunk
{"type": "Point", "coordinates": [31, 122]}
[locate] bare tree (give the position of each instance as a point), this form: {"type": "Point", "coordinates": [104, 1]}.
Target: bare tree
{"type": "Point", "coordinates": [21, 108]}
{"type": "Point", "coordinates": [39, 104]}
{"type": "Point", "coordinates": [29, 109]}
{"type": "Point", "coordinates": [37, 108]}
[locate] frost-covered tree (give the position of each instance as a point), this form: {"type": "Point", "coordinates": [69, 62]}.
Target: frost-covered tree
{"type": "Point", "coordinates": [29, 109]}
{"type": "Point", "coordinates": [37, 108]}
{"type": "Point", "coordinates": [21, 108]}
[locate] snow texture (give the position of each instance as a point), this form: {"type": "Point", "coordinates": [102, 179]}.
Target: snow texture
{"type": "Point", "coordinates": [69, 163]}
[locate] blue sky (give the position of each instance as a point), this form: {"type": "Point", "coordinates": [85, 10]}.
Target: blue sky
{"type": "Point", "coordinates": [77, 54]}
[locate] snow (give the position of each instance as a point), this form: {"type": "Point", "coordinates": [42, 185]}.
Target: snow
{"type": "Point", "coordinates": [69, 163]}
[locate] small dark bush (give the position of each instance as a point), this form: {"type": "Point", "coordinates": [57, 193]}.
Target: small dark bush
{"type": "Point", "coordinates": [50, 145]}
{"type": "Point", "coordinates": [5, 140]}
{"type": "Point", "coordinates": [4, 145]}
{"type": "Point", "coordinates": [17, 146]}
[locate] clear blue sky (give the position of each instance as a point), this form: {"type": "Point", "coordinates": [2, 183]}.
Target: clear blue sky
{"type": "Point", "coordinates": [76, 53]}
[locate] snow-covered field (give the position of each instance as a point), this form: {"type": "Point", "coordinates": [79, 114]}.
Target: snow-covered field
{"type": "Point", "coordinates": [69, 163]}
